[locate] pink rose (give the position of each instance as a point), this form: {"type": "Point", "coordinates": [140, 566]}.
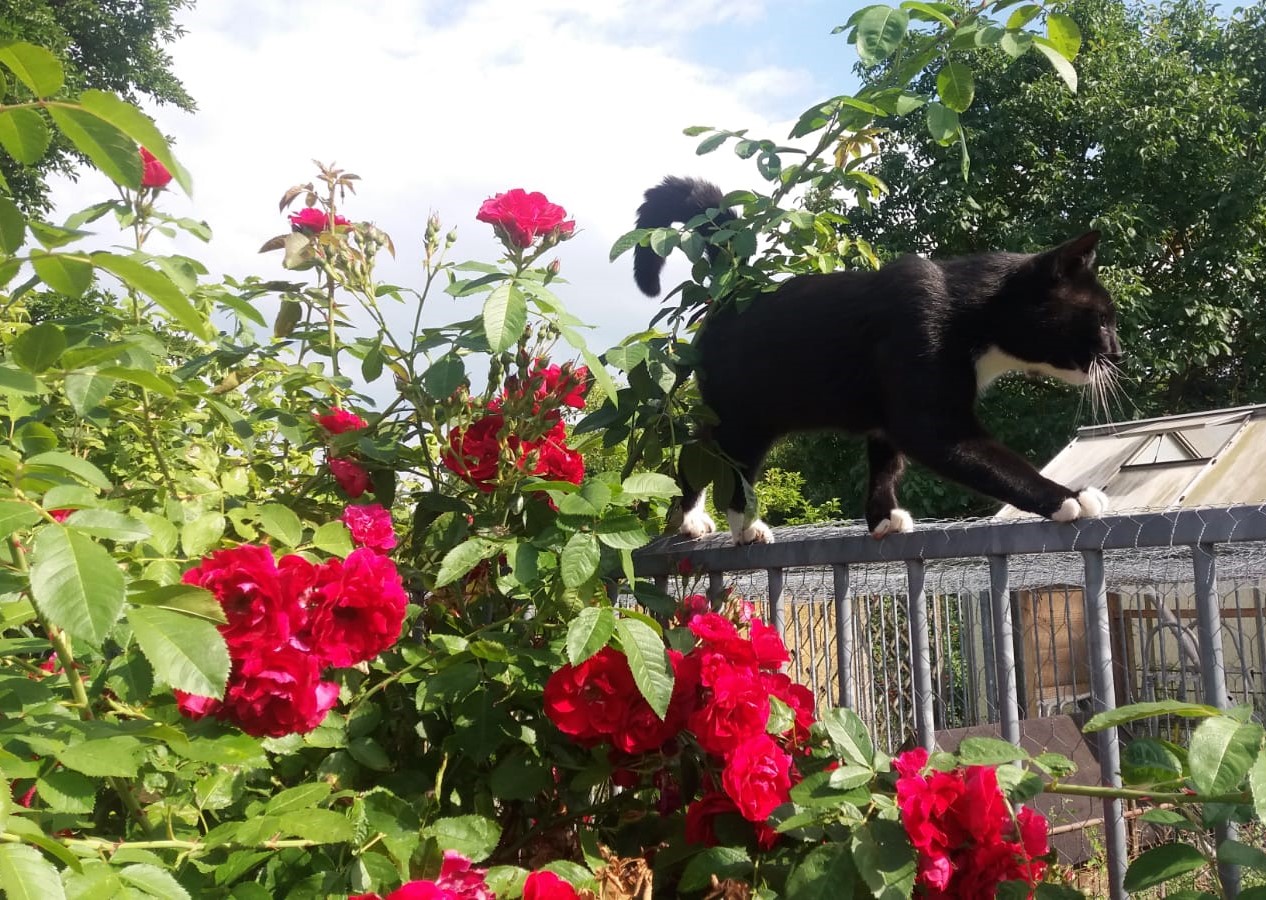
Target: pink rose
{"type": "Point", "coordinates": [154, 174]}
{"type": "Point", "coordinates": [370, 526]}
{"type": "Point", "coordinates": [520, 217]}
{"type": "Point", "coordinates": [351, 477]}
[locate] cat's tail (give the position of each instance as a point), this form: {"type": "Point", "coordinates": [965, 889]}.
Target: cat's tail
{"type": "Point", "coordinates": [673, 200]}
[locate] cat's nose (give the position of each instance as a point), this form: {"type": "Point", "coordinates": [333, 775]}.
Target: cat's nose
{"type": "Point", "coordinates": [1111, 346]}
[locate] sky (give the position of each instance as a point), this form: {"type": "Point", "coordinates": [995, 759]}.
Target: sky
{"type": "Point", "coordinates": [440, 105]}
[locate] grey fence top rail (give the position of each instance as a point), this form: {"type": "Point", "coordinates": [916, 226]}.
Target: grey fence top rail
{"type": "Point", "coordinates": [819, 545]}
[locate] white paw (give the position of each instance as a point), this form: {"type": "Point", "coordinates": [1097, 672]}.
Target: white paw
{"type": "Point", "coordinates": [899, 521]}
{"type": "Point", "coordinates": [755, 533]}
{"type": "Point", "coordinates": [1089, 503]}
{"type": "Point", "coordinates": [696, 523]}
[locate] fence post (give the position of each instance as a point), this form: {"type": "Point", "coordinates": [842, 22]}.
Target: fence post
{"type": "Point", "coordinates": [1103, 689]}
{"type": "Point", "coordinates": [921, 651]}
{"type": "Point", "coordinates": [1004, 649]}
{"type": "Point", "coordinates": [844, 637]}
{"type": "Point", "coordinates": [776, 619]}
{"type": "Point", "coordinates": [1213, 673]}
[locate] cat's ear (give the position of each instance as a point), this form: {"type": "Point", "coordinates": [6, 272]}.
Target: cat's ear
{"type": "Point", "coordinates": [1077, 255]}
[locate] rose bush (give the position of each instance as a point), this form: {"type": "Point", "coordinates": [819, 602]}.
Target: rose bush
{"type": "Point", "coordinates": [225, 680]}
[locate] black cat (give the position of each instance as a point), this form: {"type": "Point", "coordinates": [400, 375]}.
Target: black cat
{"type": "Point", "coordinates": [898, 355]}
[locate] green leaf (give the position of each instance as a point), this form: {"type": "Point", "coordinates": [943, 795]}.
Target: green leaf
{"type": "Point", "coordinates": [711, 142]}
{"type": "Point", "coordinates": [76, 584]}
{"type": "Point", "coordinates": [203, 533]}
{"type": "Point", "coordinates": [109, 149]}
{"type": "Point", "coordinates": [1257, 782]}
{"type": "Point", "coordinates": [1238, 854]}
{"type": "Point", "coordinates": [321, 825]}
{"type": "Point", "coordinates": [646, 485]}
{"type": "Point", "coordinates": [1221, 753]}
{"type": "Point", "coordinates": [1135, 711]}
{"type": "Point", "coordinates": [138, 126]}
{"type": "Point", "coordinates": [626, 242]}
{"type": "Point", "coordinates": [464, 557]}
{"type": "Point", "coordinates": [597, 371]}
{"type": "Point", "coordinates": [333, 538]}
{"type": "Point", "coordinates": [1061, 65]}
{"type": "Point", "coordinates": [24, 134]}
{"type": "Point", "coordinates": [187, 653]}
{"type": "Point", "coordinates": [942, 122]}
{"type": "Point", "coordinates": [1023, 16]}
{"type": "Point", "coordinates": [26, 875]}
{"type": "Point", "coordinates": [282, 523]}
{"type": "Point", "coordinates": [1159, 864]}
{"type": "Point", "coordinates": [159, 288]}
{"type": "Point", "coordinates": [104, 757]}
{"type": "Point", "coordinates": [1015, 44]}
{"type": "Point", "coordinates": [826, 873]}
{"type": "Point", "coordinates": [648, 662]}
{"type": "Point", "coordinates": [504, 317]}
{"type": "Point", "coordinates": [928, 12]}
{"type": "Point", "coordinates": [885, 859]}
{"type": "Point", "coordinates": [153, 881]}
{"type": "Point", "coordinates": [474, 837]}
{"type": "Point", "coordinates": [446, 375]}
{"type": "Point", "coordinates": [956, 86]}
{"type": "Point", "coordinates": [15, 516]}
{"type": "Point", "coordinates": [1063, 34]}
{"type": "Point", "coordinates": [12, 226]}
{"type": "Point", "coordinates": [86, 389]}
{"type": "Point", "coordinates": [34, 66]}
{"type": "Point", "coordinates": [723, 862]}
{"type": "Point", "coordinates": [880, 30]}
{"type": "Point", "coordinates": [622, 532]}
{"type": "Point", "coordinates": [66, 273]}
{"type": "Point", "coordinates": [295, 799]}
{"type": "Point", "coordinates": [39, 347]}
{"type": "Point", "coordinates": [68, 792]}
{"type": "Point", "coordinates": [580, 559]}
{"type": "Point", "coordinates": [589, 632]}
{"type": "Point", "coordinates": [1148, 761]}
{"type": "Point", "coordinates": [106, 523]}
{"type": "Point", "coordinates": [849, 736]}
{"type": "Point", "coordinates": [987, 751]}
{"type": "Point", "coordinates": [182, 598]}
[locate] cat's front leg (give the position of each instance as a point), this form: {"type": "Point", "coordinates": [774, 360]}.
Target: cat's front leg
{"type": "Point", "coordinates": [980, 462]}
{"type": "Point", "coordinates": [883, 514]}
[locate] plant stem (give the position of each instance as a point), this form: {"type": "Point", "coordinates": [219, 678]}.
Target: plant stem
{"type": "Point", "coordinates": [99, 844]}
{"type": "Point", "coordinates": [1110, 793]}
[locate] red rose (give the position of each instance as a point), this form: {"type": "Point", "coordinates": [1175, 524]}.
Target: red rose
{"type": "Point", "coordinates": [153, 174]}
{"type": "Point", "coordinates": [357, 610]}
{"type": "Point", "coordinates": [767, 643]}
{"type": "Point", "coordinates": [339, 421]}
{"type": "Point", "coordinates": [796, 696]}
{"type": "Point", "coordinates": [702, 814]}
{"type": "Point", "coordinates": [757, 776]}
{"type": "Point", "coordinates": [261, 614]}
{"type": "Point", "coordinates": [464, 880]}
{"type": "Point", "coordinates": [195, 707]}
{"type": "Point", "coordinates": [475, 451]}
{"type": "Point", "coordinates": [691, 606]}
{"type": "Point", "coordinates": [555, 459]}
{"type": "Point", "coordinates": [60, 515]}
{"type": "Point", "coordinates": [351, 477]}
{"type": "Point", "coordinates": [519, 217]}
{"type": "Point", "coordinates": [588, 702]}
{"type": "Point", "coordinates": [278, 693]}
{"type": "Point", "coordinates": [311, 220]}
{"type": "Point", "coordinates": [736, 709]}
{"type": "Point", "coordinates": [423, 890]}
{"type": "Point", "coordinates": [370, 526]}
{"type": "Point", "coordinates": [713, 628]}
{"type": "Point", "coordinates": [547, 886]}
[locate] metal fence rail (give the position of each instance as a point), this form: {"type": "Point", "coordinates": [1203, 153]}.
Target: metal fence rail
{"type": "Point", "coordinates": [964, 624]}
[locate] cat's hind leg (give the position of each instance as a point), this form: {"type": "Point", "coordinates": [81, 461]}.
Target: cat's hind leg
{"type": "Point", "coordinates": [883, 515]}
{"type": "Point", "coordinates": [695, 521]}
{"type": "Point", "coordinates": [746, 450]}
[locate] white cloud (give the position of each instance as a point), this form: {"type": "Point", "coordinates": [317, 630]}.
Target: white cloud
{"type": "Point", "coordinates": [438, 106]}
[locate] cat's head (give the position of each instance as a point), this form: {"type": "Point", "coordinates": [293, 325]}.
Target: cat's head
{"type": "Point", "coordinates": [1057, 318]}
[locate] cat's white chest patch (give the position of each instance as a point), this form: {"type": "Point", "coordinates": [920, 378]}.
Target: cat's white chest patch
{"type": "Point", "coordinates": [994, 363]}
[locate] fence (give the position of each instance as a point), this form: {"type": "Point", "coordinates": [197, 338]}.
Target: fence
{"type": "Point", "coordinates": [1023, 627]}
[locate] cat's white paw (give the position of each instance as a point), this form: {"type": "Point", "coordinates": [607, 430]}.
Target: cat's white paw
{"type": "Point", "coordinates": [696, 523]}
{"type": "Point", "coordinates": [1088, 504]}
{"type": "Point", "coordinates": [899, 521]}
{"type": "Point", "coordinates": [757, 532]}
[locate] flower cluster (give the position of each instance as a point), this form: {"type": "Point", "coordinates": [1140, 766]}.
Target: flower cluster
{"type": "Point", "coordinates": [311, 220]}
{"type": "Point", "coordinates": [459, 880]}
{"type": "Point", "coordinates": [519, 218]}
{"type": "Point", "coordinates": [721, 697]}
{"type": "Point", "coordinates": [287, 622]}
{"type": "Point", "coordinates": [960, 824]}
{"type": "Point", "coordinates": [474, 452]}
{"type": "Point", "coordinates": [351, 476]}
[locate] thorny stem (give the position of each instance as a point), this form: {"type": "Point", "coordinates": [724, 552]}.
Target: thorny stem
{"type": "Point", "coordinates": [1111, 793]}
